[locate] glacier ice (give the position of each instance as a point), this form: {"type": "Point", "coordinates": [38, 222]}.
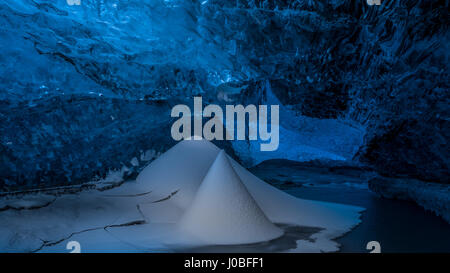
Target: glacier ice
{"type": "Point", "coordinates": [376, 75]}
{"type": "Point", "coordinates": [303, 138]}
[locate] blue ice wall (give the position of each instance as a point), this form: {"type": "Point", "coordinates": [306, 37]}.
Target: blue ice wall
{"type": "Point", "coordinates": [86, 88]}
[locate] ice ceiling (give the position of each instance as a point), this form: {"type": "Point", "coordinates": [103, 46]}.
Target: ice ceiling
{"type": "Point", "coordinates": [87, 89]}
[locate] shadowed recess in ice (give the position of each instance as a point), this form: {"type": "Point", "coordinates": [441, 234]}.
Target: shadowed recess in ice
{"type": "Point", "coordinates": [377, 75]}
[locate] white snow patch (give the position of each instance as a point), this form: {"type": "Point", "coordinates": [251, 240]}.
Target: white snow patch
{"type": "Point", "coordinates": [149, 155]}
{"type": "Point", "coordinates": [134, 161]}
{"type": "Point", "coordinates": [114, 176]}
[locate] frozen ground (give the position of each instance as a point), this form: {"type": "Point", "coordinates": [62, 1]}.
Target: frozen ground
{"type": "Point", "coordinates": [152, 213]}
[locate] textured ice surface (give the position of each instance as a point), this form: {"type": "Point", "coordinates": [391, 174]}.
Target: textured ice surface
{"type": "Point", "coordinates": [145, 215]}
{"type": "Point", "coordinates": [302, 138]}
{"type": "Point", "coordinates": [383, 68]}
{"type": "Point", "coordinates": [74, 139]}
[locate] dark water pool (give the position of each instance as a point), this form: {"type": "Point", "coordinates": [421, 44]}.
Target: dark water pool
{"type": "Point", "coordinates": [398, 226]}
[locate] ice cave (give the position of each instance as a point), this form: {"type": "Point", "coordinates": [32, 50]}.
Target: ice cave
{"type": "Point", "coordinates": [87, 89]}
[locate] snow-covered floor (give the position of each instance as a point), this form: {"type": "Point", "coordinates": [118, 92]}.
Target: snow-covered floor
{"type": "Point", "coordinates": [193, 197]}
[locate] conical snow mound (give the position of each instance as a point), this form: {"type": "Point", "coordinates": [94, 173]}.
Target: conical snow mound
{"type": "Point", "coordinates": [217, 201]}
{"type": "Point", "coordinates": [224, 212]}
{"type": "Point", "coordinates": [181, 169]}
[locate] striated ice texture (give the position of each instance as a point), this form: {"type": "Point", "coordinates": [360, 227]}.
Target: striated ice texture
{"type": "Point", "coordinates": [86, 89]}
